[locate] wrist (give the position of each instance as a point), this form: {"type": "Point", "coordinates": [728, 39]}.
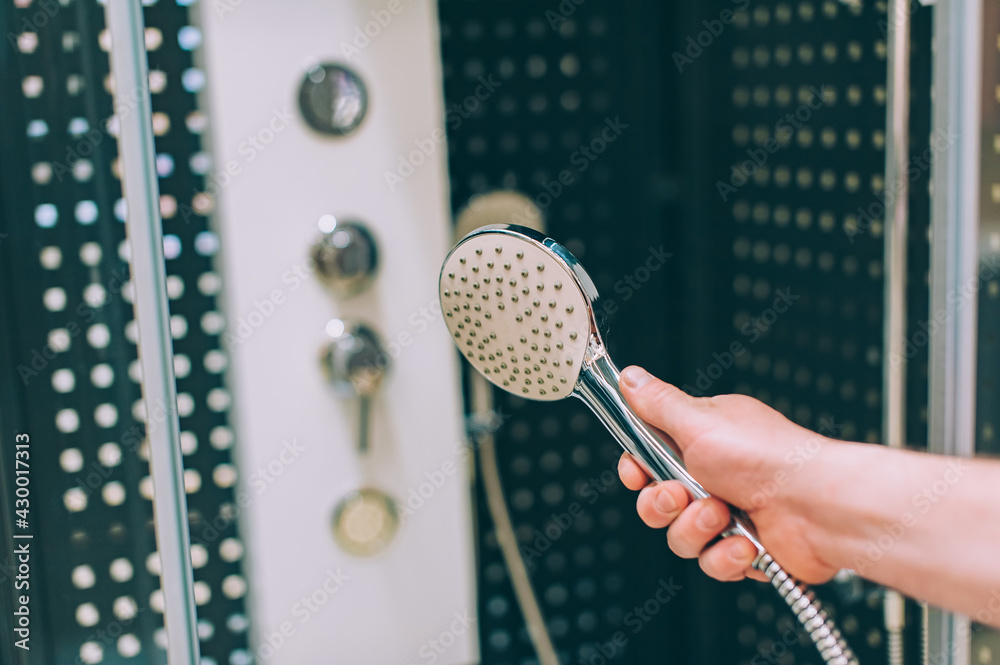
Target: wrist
{"type": "Point", "coordinates": [822, 495]}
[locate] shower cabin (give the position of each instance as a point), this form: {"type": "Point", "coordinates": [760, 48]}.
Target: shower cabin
{"type": "Point", "coordinates": [341, 489]}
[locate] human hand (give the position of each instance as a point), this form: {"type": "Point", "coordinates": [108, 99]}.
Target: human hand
{"type": "Point", "coordinates": [742, 452]}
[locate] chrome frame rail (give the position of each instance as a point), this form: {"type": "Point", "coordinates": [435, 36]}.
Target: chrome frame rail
{"type": "Point", "coordinates": [897, 155]}
{"type": "Point", "coordinates": [148, 273]}
{"type": "Point", "coordinates": [955, 181]}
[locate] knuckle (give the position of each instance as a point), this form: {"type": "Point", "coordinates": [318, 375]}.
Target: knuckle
{"type": "Point", "coordinates": [661, 394]}
{"type": "Point", "coordinates": [717, 564]}
{"type": "Point", "coordinates": [708, 566]}
{"type": "Point", "coordinates": [680, 545]}
{"type": "Point", "coordinates": [729, 401]}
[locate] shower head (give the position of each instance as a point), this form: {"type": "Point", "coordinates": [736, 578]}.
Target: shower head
{"type": "Point", "coordinates": [525, 314]}
{"type": "Point", "coordinates": [520, 308]}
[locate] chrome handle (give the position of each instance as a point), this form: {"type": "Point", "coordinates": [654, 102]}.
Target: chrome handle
{"type": "Point", "coordinates": [355, 363]}
{"type": "Point", "coordinates": [598, 388]}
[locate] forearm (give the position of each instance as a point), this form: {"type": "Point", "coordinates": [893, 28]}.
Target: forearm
{"type": "Point", "coordinates": [925, 525]}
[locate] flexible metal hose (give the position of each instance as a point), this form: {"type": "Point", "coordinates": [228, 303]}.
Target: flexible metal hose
{"type": "Point", "coordinates": [482, 403]}
{"type": "Point", "coordinates": [894, 609]}
{"type": "Point", "coordinates": [809, 613]}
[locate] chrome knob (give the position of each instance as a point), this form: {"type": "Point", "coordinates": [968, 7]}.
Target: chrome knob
{"type": "Point", "coordinates": [346, 255]}
{"type": "Point", "coordinates": [355, 364]}
{"type": "Point", "coordinates": [333, 99]}
{"type": "Point", "coordinates": [364, 522]}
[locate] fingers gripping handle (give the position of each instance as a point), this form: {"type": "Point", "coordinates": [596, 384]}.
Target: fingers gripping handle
{"type": "Point", "coordinates": [598, 388]}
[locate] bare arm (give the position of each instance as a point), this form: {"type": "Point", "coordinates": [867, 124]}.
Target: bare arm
{"type": "Point", "coordinates": [926, 525]}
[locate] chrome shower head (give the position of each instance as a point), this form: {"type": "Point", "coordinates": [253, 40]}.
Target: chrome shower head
{"type": "Point", "coordinates": [526, 315]}
{"type": "Point", "coordinates": [518, 310]}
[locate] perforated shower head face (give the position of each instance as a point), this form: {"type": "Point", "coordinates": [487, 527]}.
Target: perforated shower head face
{"type": "Point", "coordinates": [516, 311]}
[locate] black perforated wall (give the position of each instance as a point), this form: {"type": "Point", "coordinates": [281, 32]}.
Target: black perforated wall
{"type": "Point", "coordinates": [753, 208]}
{"type": "Point", "coordinates": [71, 379]}
{"type": "Point", "coordinates": [624, 122]}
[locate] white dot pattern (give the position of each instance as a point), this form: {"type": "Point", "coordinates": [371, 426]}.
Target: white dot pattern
{"type": "Point", "coordinates": [85, 374]}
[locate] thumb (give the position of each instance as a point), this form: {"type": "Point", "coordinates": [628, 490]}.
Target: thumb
{"type": "Point", "coordinates": [660, 404]}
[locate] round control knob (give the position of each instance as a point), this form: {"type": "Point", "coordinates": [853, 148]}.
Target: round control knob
{"type": "Point", "coordinates": [346, 255]}
{"type": "Point", "coordinates": [365, 521]}
{"type": "Point", "coordinates": [333, 99]}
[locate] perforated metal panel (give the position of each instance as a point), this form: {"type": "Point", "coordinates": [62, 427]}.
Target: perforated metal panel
{"type": "Point", "coordinates": [801, 185]}
{"type": "Point", "coordinates": [620, 120]}
{"type": "Point", "coordinates": [806, 112]}
{"type": "Point", "coordinates": [703, 88]}
{"type": "Point", "coordinates": [986, 641]}
{"type": "Point", "coordinates": [559, 82]}
{"type": "Point", "coordinates": [988, 391]}
{"type": "Point", "coordinates": [69, 336]}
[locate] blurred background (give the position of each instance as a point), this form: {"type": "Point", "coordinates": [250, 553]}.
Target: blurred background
{"type": "Point", "coordinates": [728, 172]}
